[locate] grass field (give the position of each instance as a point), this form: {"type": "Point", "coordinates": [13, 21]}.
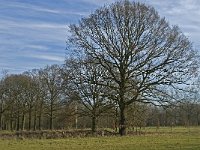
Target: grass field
{"type": "Point", "coordinates": [161, 139]}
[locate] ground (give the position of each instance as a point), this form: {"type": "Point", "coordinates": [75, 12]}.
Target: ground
{"type": "Point", "coordinates": [163, 138]}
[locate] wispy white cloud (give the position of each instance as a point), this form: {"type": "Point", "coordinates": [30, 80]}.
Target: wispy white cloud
{"type": "Point", "coordinates": [49, 57]}
{"type": "Point", "coordinates": [32, 7]}
{"type": "Point", "coordinates": [38, 47]}
{"type": "Point", "coordinates": [7, 24]}
{"type": "Point", "coordinates": [99, 2]}
{"type": "Point", "coordinates": [26, 32]}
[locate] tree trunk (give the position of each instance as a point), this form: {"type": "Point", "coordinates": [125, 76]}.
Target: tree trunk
{"type": "Point", "coordinates": [11, 124]}
{"type": "Point", "coordinates": [29, 118]}
{"type": "Point", "coordinates": [40, 117]}
{"type": "Point", "coordinates": [198, 122]}
{"type": "Point", "coordinates": [51, 123]}
{"type": "Point", "coordinates": [1, 121]}
{"type": "Point", "coordinates": [39, 121]}
{"type": "Point", "coordinates": [35, 120]}
{"type": "Point", "coordinates": [93, 124]}
{"type": "Point", "coordinates": [23, 121]}
{"type": "Point", "coordinates": [18, 120]}
{"type": "Point", "coordinates": [116, 119]}
{"type": "Point", "coordinates": [1, 115]}
{"type": "Point", "coordinates": [18, 123]}
{"type": "Point", "coordinates": [51, 116]}
{"type": "Point", "coordinates": [11, 119]}
{"type": "Point", "coordinates": [51, 120]}
{"type": "Point", "coordinates": [122, 121]}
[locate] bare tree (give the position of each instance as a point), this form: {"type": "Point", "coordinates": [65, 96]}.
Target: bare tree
{"type": "Point", "coordinates": [51, 78]}
{"type": "Point", "coordinates": [3, 101]}
{"type": "Point", "coordinates": [86, 80]}
{"type": "Point", "coordinates": [142, 54]}
{"type": "Point", "coordinates": [16, 96]}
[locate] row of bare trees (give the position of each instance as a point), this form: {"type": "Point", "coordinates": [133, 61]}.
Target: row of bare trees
{"type": "Point", "coordinates": [68, 96]}
{"type": "Point", "coordinates": [28, 97]}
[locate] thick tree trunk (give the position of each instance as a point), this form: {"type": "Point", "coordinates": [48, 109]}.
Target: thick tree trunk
{"type": "Point", "coordinates": [122, 121]}
{"type": "Point", "coordinates": [93, 124]}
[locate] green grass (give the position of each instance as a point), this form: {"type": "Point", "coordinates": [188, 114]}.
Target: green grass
{"type": "Point", "coordinates": [178, 138]}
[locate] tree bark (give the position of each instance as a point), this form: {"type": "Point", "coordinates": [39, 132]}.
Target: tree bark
{"type": "Point", "coordinates": [11, 124]}
{"type": "Point", "coordinates": [39, 121]}
{"type": "Point", "coordinates": [122, 121]}
{"type": "Point", "coordinates": [51, 114]}
{"type": "Point", "coordinates": [116, 119]}
{"type": "Point", "coordinates": [1, 121]}
{"type": "Point", "coordinates": [93, 124]}
{"type": "Point", "coordinates": [29, 118]}
{"type": "Point", "coordinates": [18, 120]}
{"type": "Point", "coordinates": [40, 117]}
{"type": "Point", "coordinates": [35, 120]}
{"type": "Point", "coordinates": [51, 120]}
{"type": "Point", "coordinates": [23, 121]}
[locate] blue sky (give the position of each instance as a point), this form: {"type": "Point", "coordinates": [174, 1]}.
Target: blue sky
{"type": "Point", "coordinates": [33, 32]}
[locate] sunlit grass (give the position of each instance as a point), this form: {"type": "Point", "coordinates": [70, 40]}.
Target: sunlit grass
{"type": "Point", "coordinates": [177, 138]}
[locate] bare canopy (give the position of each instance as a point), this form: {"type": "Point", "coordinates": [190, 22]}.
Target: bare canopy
{"type": "Point", "coordinates": [141, 53]}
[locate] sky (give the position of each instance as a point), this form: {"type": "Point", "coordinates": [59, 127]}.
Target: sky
{"type": "Point", "coordinates": [33, 32]}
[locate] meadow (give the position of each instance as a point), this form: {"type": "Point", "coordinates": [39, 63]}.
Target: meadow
{"type": "Point", "coordinates": [177, 138]}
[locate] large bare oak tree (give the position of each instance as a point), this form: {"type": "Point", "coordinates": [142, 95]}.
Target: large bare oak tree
{"type": "Point", "coordinates": [142, 54]}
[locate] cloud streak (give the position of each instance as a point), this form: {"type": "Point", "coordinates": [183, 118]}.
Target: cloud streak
{"type": "Point", "coordinates": [49, 58]}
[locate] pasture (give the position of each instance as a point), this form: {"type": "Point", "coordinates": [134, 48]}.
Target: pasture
{"type": "Point", "coordinates": [177, 138]}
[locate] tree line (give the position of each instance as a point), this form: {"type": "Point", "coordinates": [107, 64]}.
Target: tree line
{"type": "Point", "coordinates": [50, 98]}
{"type": "Point", "coordinates": [123, 60]}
